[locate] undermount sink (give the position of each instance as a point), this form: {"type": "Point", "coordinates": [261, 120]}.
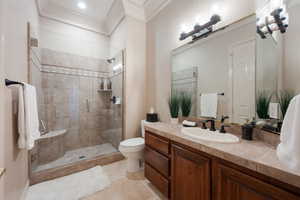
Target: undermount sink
{"type": "Point", "coordinates": [210, 136]}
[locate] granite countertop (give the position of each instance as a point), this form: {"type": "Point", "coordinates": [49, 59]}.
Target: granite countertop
{"type": "Point", "coordinates": [255, 155]}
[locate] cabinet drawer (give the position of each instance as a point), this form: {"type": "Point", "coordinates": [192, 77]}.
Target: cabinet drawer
{"type": "Point", "coordinates": [157, 143]}
{"type": "Point", "coordinates": [160, 182]}
{"type": "Point", "coordinates": [158, 161]}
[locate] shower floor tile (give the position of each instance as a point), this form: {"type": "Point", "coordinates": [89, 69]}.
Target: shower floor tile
{"type": "Point", "coordinates": [78, 155]}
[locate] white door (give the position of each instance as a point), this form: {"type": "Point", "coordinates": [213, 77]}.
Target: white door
{"type": "Point", "coordinates": [243, 81]}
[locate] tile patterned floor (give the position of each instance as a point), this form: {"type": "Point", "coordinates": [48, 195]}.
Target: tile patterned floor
{"type": "Point", "coordinates": [78, 155]}
{"type": "Point", "coordinates": [125, 187]}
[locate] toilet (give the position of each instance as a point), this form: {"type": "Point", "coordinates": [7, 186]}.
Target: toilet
{"type": "Point", "coordinates": [133, 151]}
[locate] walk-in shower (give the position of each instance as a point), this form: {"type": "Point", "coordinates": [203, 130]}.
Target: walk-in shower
{"type": "Point", "coordinates": [80, 108]}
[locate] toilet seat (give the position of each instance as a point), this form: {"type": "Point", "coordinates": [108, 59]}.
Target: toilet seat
{"type": "Point", "coordinates": [132, 145]}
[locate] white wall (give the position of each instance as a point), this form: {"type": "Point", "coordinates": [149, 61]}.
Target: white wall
{"type": "Point", "coordinates": [14, 15]}
{"type": "Point", "coordinates": [131, 36]}
{"type": "Point", "coordinates": [118, 39]}
{"type": "Point", "coordinates": [291, 62]}
{"type": "Point", "coordinates": [2, 91]}
{"type": "Point", "coordinates": [69, 39]}
{"type": "Point", "coordinates": [135, 76]}
{"type": "Point", "coordinates": [162, 36]}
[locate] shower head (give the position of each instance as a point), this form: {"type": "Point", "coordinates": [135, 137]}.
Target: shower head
{"type": "Point", "coordinates": [110, 61]}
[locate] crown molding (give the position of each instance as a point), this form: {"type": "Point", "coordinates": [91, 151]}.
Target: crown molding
{"type": "Point", "coordinates": [145, 10]}
{"type": "Point", "coordinates": [156, 11]}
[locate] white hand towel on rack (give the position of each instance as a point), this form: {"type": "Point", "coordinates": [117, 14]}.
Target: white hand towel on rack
{"type": "Point", "coordinates": [28, 121]}
{"type": "Point", "coordinates": [288, 151]}
{"type": "Point", "coordinates": [209, 105]}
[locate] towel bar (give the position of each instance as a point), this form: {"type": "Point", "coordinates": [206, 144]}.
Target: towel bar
{"type": "Point", "coordinates": [9, 82]}
{"type": "Point", "coordinates": [221, 94]}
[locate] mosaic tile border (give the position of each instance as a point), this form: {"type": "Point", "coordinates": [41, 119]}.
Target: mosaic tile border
{"type": "Point", "coordinates": [73, 71]}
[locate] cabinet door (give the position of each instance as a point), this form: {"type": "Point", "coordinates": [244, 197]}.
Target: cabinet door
{"type": "Point", "coordinates": [231, 184]}
{"type": "Point", "coordinates": [190, 175]}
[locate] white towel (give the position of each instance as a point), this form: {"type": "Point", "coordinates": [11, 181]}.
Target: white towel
{"type": "Point", "coordinates": [209, 105]}
{"type": "Point", "coordinates": [28, 121]}
{"type": "Point", "coordinates": [288, 151]}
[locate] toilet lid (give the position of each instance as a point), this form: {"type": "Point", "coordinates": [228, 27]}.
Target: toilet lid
{"type": "Point", "coordinates": [133, 142]}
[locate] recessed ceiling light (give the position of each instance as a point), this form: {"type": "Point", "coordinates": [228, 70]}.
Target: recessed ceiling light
{"type": "Point", "coordinates": [81, 5]}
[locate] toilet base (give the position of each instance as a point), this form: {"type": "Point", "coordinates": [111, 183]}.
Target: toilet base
{"type": "Point", "coordinates": [134, 165]}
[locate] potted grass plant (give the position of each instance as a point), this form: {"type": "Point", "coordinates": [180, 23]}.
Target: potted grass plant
{"type": "Point", "coordinates": [262, 104]}
{"type": "Point", "coordinates": [174, 106]}
{"type": "Point", "coordinates": [186, 104]}
{"type": "Point", "coordinates": [285, 97]}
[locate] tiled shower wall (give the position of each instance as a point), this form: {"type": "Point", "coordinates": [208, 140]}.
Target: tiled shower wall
{"type": "Point", "coordinates": [72, 101]}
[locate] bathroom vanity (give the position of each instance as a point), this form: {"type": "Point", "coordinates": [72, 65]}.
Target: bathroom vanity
{"type": "Point", "coordinates": [183, 168]}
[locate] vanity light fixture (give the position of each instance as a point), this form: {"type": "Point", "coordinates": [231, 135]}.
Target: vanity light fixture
{"type": "Point", "coordinates": [278, 20]}
{"type": "Point", "coordinates": [201, 30]}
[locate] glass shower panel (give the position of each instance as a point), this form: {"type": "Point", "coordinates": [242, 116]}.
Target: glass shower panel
{"type": "Point", "coordinates": [83, 121]}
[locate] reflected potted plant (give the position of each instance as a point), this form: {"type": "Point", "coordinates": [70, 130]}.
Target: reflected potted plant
{"type": "Point", "coordinates": [174, 106]}
{"type": "Point", "coordinates": [262, 104]}
{"type": "Point", "coordinates": [186, 104]}
{"type": "Point", "coordinates": [285, 97]}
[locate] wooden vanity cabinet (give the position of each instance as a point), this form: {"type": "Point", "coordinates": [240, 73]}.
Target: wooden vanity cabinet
{"type": "Point", "coordinates": [232, 184]}
{"type": "Point", "coordinates": [182, 173]}
{"type": "Point", "coordinates": [157, 162]}
{"type": "Point", "coordinates": [190, 175]}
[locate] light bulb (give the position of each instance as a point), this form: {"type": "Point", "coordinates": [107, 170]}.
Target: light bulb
{"type": "Point", "coordinates": [264, 29]}
{"type": "Point", "coordinates": [184, 28]}
{"type": "Point", "coordinates": [81, 5]}
{"type": "Point", "coordinates": [200, 20]}
{"type": "Point", "coordinates": [275, 4]}
{"type": "Point", "coordinates": [273, 27]}
{"type": "Point", "coordinates": [217, 9]}
{"type": "Point", "coordinates": [117, 67]}
{"type": "Point", "coordinates": [260, 22]}
{"type": "Point", "coordinates": [286, 20]}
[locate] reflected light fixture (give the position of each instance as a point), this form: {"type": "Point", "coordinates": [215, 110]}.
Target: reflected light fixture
{"type": "Point", "coordinates": [81, 5]}
{"type": "Point", "coordinates": [277, 20]}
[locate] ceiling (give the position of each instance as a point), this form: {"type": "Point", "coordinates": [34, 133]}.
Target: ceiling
{"type": "Point", "coordinates": [96, 14]}
{"type": "Point", "coordinates": [96, 9]}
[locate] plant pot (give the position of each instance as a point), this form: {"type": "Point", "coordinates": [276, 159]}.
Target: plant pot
{"type": "Point", "coordinates": [174, 120]}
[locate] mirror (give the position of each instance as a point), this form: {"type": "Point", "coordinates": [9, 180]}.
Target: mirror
{"type": "Point", "coordinates": [222, 63]}
{"type": "Point", "coordinates": [257, 76]}
{"type": "Point", "coordinates": [278, 63]}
